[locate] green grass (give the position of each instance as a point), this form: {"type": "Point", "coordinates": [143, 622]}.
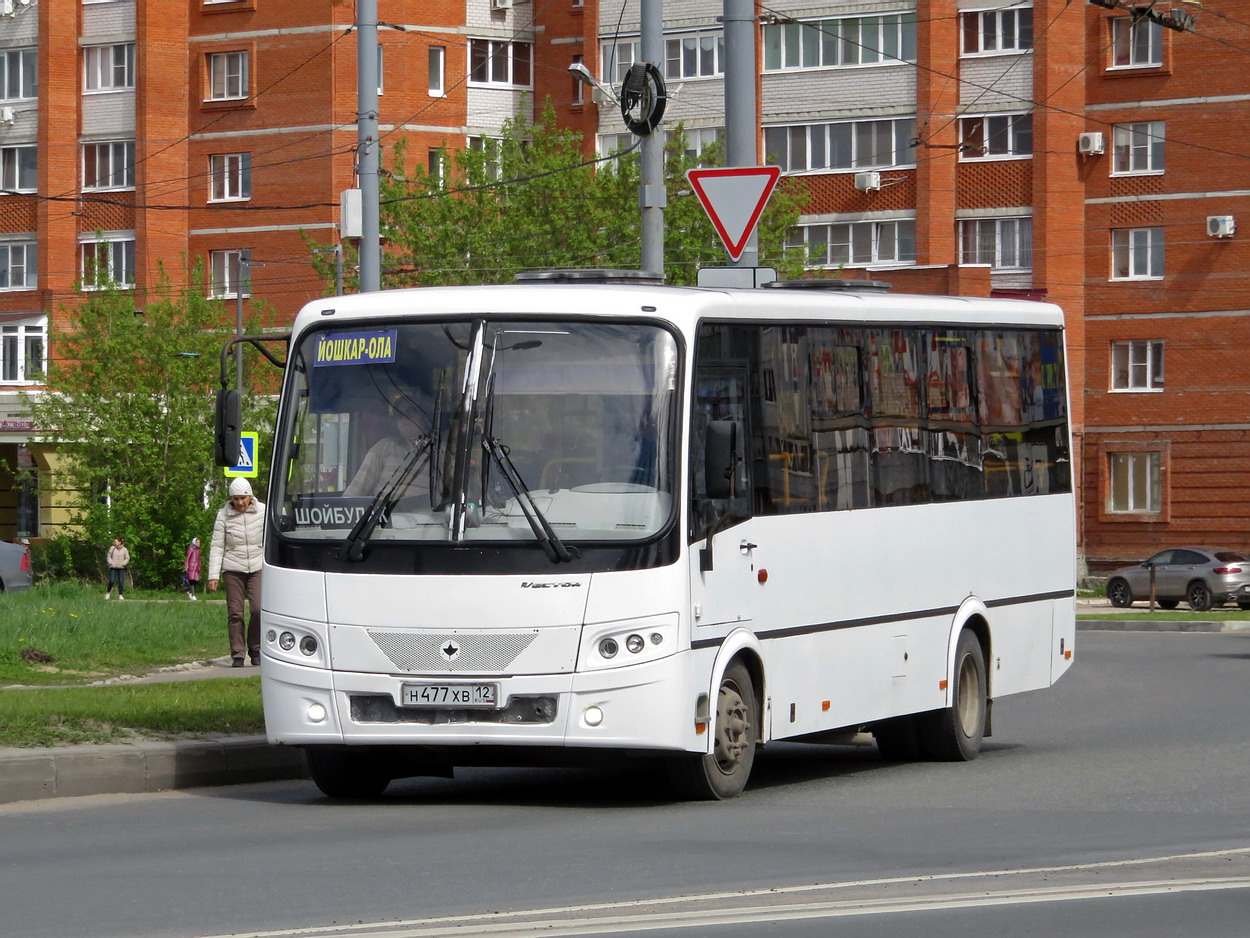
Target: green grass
{"type": "Point", "coordinates": [63, 716]}
{"type": "Point", "coordinates": [90, 640]}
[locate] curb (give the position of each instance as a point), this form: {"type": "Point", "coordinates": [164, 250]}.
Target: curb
{"type": "Point", "coordinates": [1157, 625]}
{"type": "Point", "coordinates": [70, 771]}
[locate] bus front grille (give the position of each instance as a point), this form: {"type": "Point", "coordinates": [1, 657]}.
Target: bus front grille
{"type": "Point", "coordinates": [382, 709]}
{"type": "Point", "coordinates": [480, 653]}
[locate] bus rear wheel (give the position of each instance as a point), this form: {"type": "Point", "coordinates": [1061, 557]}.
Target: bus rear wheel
{"type": "Point", "coordinates": [723, 772]}
{"type": "Point", "coordinates": [348, 773]}
{"type": "Point", "coordinates": [954, 733]}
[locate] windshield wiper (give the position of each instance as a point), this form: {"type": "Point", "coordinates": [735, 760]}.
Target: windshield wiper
{"type": "Point", "coordinates": [543, 531]}
{"type": "Point", "coordinates": [352, 548]}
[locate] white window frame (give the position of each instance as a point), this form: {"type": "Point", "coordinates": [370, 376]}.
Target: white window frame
{"type": "Point", "coordinates": [118, 159]}
{"type": "Point", "coordinates": [615, 58]}
{"type": "Point", "coordinates": [996, 31]}
{"type": "Point", "coordinates": [694, 55]}
{"type": "Point", "coordinates": [114, 257]}
{"type": "Point", "coordinates": [697, 140]}
{"type": "Point", "coordinates": [821, 143]}
{"type": "Point", "coordinates": [1137, 148]}
{"type": "Point", "coordinates": [1137, 366]}
{"type": "Point", "coordinates": [228, 75]}
{"type": "Point", "coordinates": [578, 91]}
{"type": "Point", "coordinates": [21, 343]}
{"type": "Point", "coordinates": [19, 74]}
{"type": "Point", "coordinates": [843, 42]}
{"type": "Point", "coordinates": [108, 68]}
{"type": "Point", "coordinates": [18, 265]}
{"type": "Point", "coordinates": [1135, 482]}
{"type": "Point", "coordinates": [229, 177]}
{"type": "Point", "coordinates": [1005, 243]}
{"type": "Point", "coordinates": [1133, 48]}
{"type": "Point", "coordinates": [492, 147]}
{"type": "Point", "coordinates": [19, 168]}
{"type": "Point", "coordinates": [863, 243]}
{"type": "Point", "coordinates": [222, 266]}
{"type": "Point", "coordinates": [500, 67]}
{"type": "Point", "coordinates": [996, 136]}
{"type": "Point", "coordinates": [437, 71]}
{"type": "Point", "coordinates": [1136, 253]}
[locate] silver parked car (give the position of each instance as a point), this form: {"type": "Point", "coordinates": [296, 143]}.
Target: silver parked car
{"type": "Point", "coordinates": [15, 573]}
{"type": "Point", "coordinates": [1202, 576]}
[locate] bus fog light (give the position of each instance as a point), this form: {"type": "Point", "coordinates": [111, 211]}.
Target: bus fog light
{"type": "Point", "coordinates": [271, 636]}
{"type": "Point", "coordinates": [608, 648]}
{"type": "Point", "coordinates": [286, 641]}
{"type": "Point", "coordinates": [316, 713]}
{"type": "Point", "coordinates": [308, 645]}
{"type": "Point", "coordinates": [593, 716]}
{"type": "Point", "coordinates": [635, 644]}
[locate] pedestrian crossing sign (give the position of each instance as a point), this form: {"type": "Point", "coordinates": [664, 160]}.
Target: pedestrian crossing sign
{"type": "Point", "coordinates": [246, 466]}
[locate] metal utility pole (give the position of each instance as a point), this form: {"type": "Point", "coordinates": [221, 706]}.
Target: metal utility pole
{"type": "Point", "coordinates": [238, 320]}
{"type": "Point", "coordinates": [652, 196]}
{"type": "Point", "coordinates": [367, 144]}
{"type": "Point", "coordinates": [740, 104]}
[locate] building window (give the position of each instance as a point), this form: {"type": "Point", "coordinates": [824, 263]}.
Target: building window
{"type": "Point", "coordinates": [496, 62]}
{"type": "Point", "coordinates": [436, 164]}
{"type": "Point", "coordinates": [108, 165]}
{"type": "Point", "coordinates": [842, 145]}
{"type": "Point", "coordinates": [1136, 42]}
{"type": "Point", "coordinates": [381, 58]}
{"type": "Point", "coordinates": [615, 58]}
{"type": "Point", "coordinates": [489, 148]}
{"type": "Point", "coordinates": [1137, 365]}
{"type": "Point", "coordinates": [17, 265]}
{"type": "Point", "coordinates": [108, 262]}
{"type": "Point", "coordinates": [1136, 253]}
{"type": "Point", "coordinates": [230, 271]}
{"type": "Point", "coordinates": [22, 350]}
{"type": "Point", "coordinates": [1003, 243]}
{"type": "Point", "coordinates": [438, 70]}
{"type": "Point", "coordinates": [698, 139]}
{"type": "Point", "coordinates": [578, 97]}
{"type": "Point", "coordinates": [698, 56]}
{"type": "Point", "coordinates": [1138, 147]}
{"type": "Point", "coordinates": [109, 68]}
{"type": "Point", "coordinates": [227, 76]}
{"type": "Point", "coordinates": [1135, 482]}
{"type": "Point", "coordinates": [231, 177]}
{"type": "Point", "coordinates": [989, 32]}
{"type": "Point", "coordinates": [19, 74]}
{"type": "Point", "coordinates": [995, 135]}
{"type": "Point", "coordinates": [27, 491]}
{"type": "Point", "coordinates": [18, 169]}
{"type": "Point", "coordinates": [856, 244]}
{"type": "Point", "coordinates": [843, 42]}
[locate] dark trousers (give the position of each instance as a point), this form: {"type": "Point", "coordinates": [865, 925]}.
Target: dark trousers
{"type": "Point", "coordinates": [238, 587]}
{"type": "Point", "coordinates": [117, 575]}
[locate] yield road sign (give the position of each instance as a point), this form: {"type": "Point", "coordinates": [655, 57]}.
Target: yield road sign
{"type": "Point", "coordinates": [734, 198]}
{"type": "Point", "coordinates": [247, 458]}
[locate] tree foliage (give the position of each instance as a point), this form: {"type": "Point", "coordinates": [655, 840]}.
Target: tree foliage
{"type": "Point", "coordinates": [131, 414]}
{"type": "Point", "coordinates": [529, 200]}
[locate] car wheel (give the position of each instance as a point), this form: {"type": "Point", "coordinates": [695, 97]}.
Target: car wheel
{"type": "Point", "coordinates": [1119, 593]}
{"type": "Point", "coordinates": [1198, 596]}
{"type": "Point", "coordinates": [1243, 605]}
{"type": "Point", "coordinates": [1169, 603]}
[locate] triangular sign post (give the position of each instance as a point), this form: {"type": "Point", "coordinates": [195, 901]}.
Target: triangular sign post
{"type": "Point", "coordinates": [734, 198]}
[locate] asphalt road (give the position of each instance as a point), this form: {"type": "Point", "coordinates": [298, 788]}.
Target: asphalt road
{"type": "Point", "coordinates": [1114, 803]}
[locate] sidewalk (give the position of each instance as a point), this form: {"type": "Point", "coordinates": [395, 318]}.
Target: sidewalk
{"type": "Point", "coordinates": [67, 771]}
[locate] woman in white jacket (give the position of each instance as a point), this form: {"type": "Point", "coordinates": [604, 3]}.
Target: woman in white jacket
{"type": "Point", "coordinates": [235, 555]}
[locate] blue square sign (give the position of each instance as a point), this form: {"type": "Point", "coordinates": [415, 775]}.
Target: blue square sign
{"type": "Point", "coordinates": [247, 457]}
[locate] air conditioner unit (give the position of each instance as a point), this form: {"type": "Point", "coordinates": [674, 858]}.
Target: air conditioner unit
{"type": "Point", "coordinates": [6, 8]}
{"type": "Point", "coordinates": [501, 4]}
{"type": "Point", "coordinates": [867, 182]}
{"type": "Point", "coordinates": [1221, 226]}
{"type": "Point", "coordinates": [1091, 144]}
{"type": "Point", "coordinates": [6, 115]}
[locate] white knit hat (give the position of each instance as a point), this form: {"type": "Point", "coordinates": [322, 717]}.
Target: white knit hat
{"type": "Point", "coordinates": [240, 486]}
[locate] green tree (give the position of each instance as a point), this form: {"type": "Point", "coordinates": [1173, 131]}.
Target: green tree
{"type": "Point", "coordinates": [130, 410]}
{"type": "Point", "coordinates": [530, 200]}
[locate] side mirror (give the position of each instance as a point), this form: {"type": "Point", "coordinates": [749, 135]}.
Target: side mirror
{"type": "Point", "coordinates": [720, 458]}
{"type": "Point", "coordinates": [228, 426]}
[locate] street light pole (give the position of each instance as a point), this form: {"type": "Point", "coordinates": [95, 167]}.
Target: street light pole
{"type": "Point", "coordinates": [740, 104]}
{"type": "Point", "coordinates": [367, 143]}
{"type": "Point", "coordinates": [652, 196]}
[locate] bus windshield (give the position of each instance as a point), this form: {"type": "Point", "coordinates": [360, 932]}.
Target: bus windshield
{"type": "Point", "coordinates": [522, 431]}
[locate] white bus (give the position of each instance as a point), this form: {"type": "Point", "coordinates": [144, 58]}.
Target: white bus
{"type": "Point", "coordinates": [565, 520]}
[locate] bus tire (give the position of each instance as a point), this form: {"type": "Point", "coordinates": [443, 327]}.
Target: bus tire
{"type": "Point", "coordinates": [954, 733]}
{"type": "Point", "coordinates": [898, 739]}
{"type": "Point", "coordinates": [347, 773]}
{"type": "Point", "coordinates": [723, 773]}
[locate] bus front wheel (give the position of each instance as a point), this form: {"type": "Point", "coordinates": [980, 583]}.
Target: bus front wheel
{"type": "Point", "coordinates": [954, 733]}
{"type": "Point", "coordinates": [348, 773]}
{"type": "Point", "coordinates": [723, 772]}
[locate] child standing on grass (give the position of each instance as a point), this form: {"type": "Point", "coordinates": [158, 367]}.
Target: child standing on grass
{"type": "Point", "coordinates": [118, 560]}
{"type": "Point", "coordinates": [191, 567]}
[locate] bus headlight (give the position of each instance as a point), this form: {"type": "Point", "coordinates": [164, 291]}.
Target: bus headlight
{"type": "Point", "coordinates": [608, 648]}
{"type": "Point", "coordinates": [628, 642]}
{"type": "Point", "coordinates": [635, 644]}
{"type": "Point", "coordinates": [286, 641]}
{"type": "Point", "coordinates": [308, 645]}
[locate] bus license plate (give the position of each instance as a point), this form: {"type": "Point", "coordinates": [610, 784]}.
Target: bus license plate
{"type": "Point", "coordinates": [449, 695]}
